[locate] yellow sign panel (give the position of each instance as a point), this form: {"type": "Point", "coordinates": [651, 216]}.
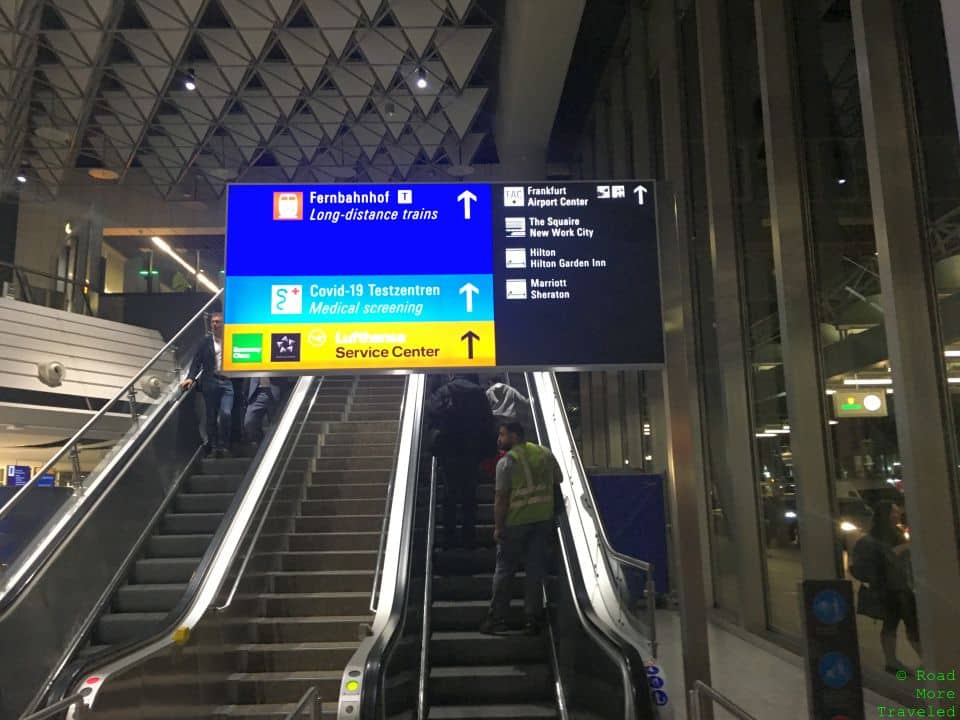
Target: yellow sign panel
{"type": "Point", "coordinates": [348, 346]}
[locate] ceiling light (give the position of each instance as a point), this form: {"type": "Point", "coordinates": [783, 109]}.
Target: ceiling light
{"type": "Point", "coordinates": [21, 178]}
{"type": "Point", "coordinates": [834, 422]}
{"type": "Point", "coordinates": [951, 353]}
{"type": "Point", "coordinates": [831, 391]}
{"type": "Point", "coordinates": [421, 79]}
{"type": "Point", "coordinates": [102, 173]}
{"type": "Point", "coordinates": [190, 81]}
{"type": "Point", "coordinates": [867, 381]}
{"type": "Point", "coordinates": [765, 435]}
{"type": "Point", "coordinates": [841, 181]}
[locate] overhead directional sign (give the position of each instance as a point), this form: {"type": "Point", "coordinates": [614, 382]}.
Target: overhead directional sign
{"type": "Point", "coordinates": [458, 275]}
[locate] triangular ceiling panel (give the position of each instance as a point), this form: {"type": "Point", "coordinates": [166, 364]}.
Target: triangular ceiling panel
{"type": "Point", "coordinates": [210, 81]}
{"type": "Point", "coordinates": [416, 13]}
{"type": "Point", "coordinates": [429, 132]}
{"type": "Point", "coordinates": [90, 41]}
{"type": "Point", "coordinates": [337, 40]}
{"type": "Point", "coordinates": [146, 47]}
{"type": "Point", "coordinates": [384, 49]}
{"type": "Point", "coordinates": [419, 38]}
{"type": "Point", "coordinates": [304, 46]}
{"type": "Point", "coordinates": [65, 45]}
{"type": "Point", "coordinates": [226, 46]}
{"type": "Point", "coordinates": [163, 14]}
{"type": "Point", "coordinates": [281, 79]}
{"type": "Point", "coordinates": [355, 81]}
{"type": "Point", "coordinates": [460, 7]}
{"type": "Point", "coordinates": [244, 14]}
{"type": "Point", "coordinates": [370, 7]}
{"type": "Point", "coordinates": [172, 40]}
{"type": "Point", "coordinates": [280, 8]}
{"type": "Point", "coordinates": [331, 15]}
{"type": "Point", "coordinates": [460, 49]}
{"type": "Point", "coordinates": [462, 110]}
{"type": "Point", "coordinates": [134, 79]}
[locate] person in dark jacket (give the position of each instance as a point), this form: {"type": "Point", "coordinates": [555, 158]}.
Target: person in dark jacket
{"type": "Point", "coordinates": [263, 398]}
{"type": "Point", "coordinates": [217, 389]}
{"type": "Point", "coordinates": [882, 560]}
{"type": "Point", "coordinates": [462, 435]}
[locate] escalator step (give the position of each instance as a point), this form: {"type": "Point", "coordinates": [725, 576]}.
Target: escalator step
{"type": "Point", "coordinates": [213, 483]}
{"type": "Point", "coordinates": [493, 712]}
{"type": "Point", "coordinates": [494, 684]}
{"type": "Point", "coordinates": [164, 570]}
{"type": "Point", "coordinates": [172, 546]}
{"type": "Point", "coordinates": [202, 502]}
{"type": "Point", "coordinates": [190, 523]}
{"type": "Point", "coordinates": [467, 615]}
{"type": "Point", "coordinates": [116, 628]}
{"type": "Point", "coordinates": [459, 648]}
{"type": "Point", "coordinates": [160, 597]}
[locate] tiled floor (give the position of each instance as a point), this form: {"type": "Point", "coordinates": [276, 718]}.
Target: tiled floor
{"type": "Point", "coordinates": [766, 682]}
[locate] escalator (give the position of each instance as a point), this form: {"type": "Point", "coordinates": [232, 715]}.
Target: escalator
{"type": "Point", "coordinates": [293, 597]}
{"type": "Point", "coordinates": [427, 658]}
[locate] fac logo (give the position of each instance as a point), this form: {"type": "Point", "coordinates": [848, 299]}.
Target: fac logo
{"type": "Point", "coordinates": [286, 299]}
{"type": "Point", "coordinates": [288, 206]}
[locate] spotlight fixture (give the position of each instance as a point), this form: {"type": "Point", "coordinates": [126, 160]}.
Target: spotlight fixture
{"type": "Point", "coordinates": [190, 81]}
{"type": "Point", "coordinates": [841, 181]}
{"type": "Point", "coordinates": [21, 178]}
{"type": "Point", "coordinates": [391, 109]}
{"type": "Point", "coordinates": [421, 79]}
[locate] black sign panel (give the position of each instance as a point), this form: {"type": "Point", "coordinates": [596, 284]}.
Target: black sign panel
{"type": "Point", "coordinates": [834, 683]}
{"type": "Point", "coordinates": [576, 274]}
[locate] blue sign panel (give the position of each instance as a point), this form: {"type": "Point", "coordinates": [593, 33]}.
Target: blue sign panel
{"type": "Point", "coordinates": [836, 669]}
{"type": "Point", "coordinates": [18, 475]}
{"type": "Point", "coordinates": [830, 607]}
{"type": "Point", "coordinates": [454, 275]}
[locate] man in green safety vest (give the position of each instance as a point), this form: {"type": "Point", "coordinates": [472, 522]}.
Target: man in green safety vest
{"type": "Point", "coordinates": [523, 525]}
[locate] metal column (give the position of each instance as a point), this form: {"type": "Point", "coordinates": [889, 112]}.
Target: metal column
{"type": "Point", "coordinates": [913, 333]}
{"type": "Point", "coordinates": [951, 30]}
{"type": "Point", "coordinates": [794, 262]}
{"type": "Point", "coordinates": [732, 330]}
{"type": "Point", "coordinates": [685, 458]}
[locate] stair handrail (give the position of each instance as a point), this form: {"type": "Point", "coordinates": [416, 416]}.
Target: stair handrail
{"type": "Point", "coordinates": [700, 689]}
{"type": "Point", "coordinates": [311, 697]}
{"type": "Point", "coordinates": [266, 510]}
{"type": "Point", "coordinates": [70, 444]}
{"type": "Point", "coordinates": [374, 592]}
{"type": "Point", "coordinates": [68, 703]}
{"type": "Point", "coordinates": [422, 709]}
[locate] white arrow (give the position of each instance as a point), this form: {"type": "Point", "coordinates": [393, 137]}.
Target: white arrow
{"type": "Point", "coordinates": [466, 197]}
{"type": "Point", "coordinates": [469, 289]}
{"type": "Point", "coordinates": [641, 191]}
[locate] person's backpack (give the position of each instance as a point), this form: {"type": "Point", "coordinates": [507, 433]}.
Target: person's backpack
{"type": "Point", "coordinates": [461, 418]}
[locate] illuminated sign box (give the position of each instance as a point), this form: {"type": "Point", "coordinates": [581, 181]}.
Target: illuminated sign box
{"type": "Point", "coordinates": [323, 278]}
{"type": "Point", "coordinates": [860, 403]}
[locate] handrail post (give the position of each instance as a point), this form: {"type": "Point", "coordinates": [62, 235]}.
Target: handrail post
{"type": "Point", "coordinates": [316, 708]}
{"type": "Point", "coordinates": [75, 462]}
{"type": "Point", "coordinates": [132, 399]}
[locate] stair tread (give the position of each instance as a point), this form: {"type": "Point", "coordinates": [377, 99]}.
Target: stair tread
{"type": "Point", "coordinates": [135, 616]}
{"type": "Point", "coordinates": [266, 709]}
{"type": "Point", "coordinates": [452, 671]}
{"type": "Point", "coordinates": [153, 587]}
{"type": "Point", "coordinates": [301, 595]}
{"type": "Point", "coordinates": [272, 647]}
{"type": "Point", "coordinates": [299, 620]}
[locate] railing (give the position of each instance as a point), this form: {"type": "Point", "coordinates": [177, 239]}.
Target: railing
{"type": "Point", "coordinates": [98, 447]}
{"type": "Point", "coordinates": [423, 709]}
{"type": "Point", "coordinates": [74, 702]}
{"type": "Point", "coordinates": [265, 512]}
{"type": "Point", "coordinates": [374, 592]}
{"type": "Point", "coordinates": [310, 701]}
{"type": "Point", "coordinates": [701, 689]}
{"type": "Point", "coordinates": [609, 553]}
{"type": "Point", "coordinates": [53, 297]}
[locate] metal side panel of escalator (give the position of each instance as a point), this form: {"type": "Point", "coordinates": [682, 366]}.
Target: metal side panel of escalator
{"type": "Point", "coordinates": [431, 661]}
{"type": "Point", "coordinates": [294, 602]}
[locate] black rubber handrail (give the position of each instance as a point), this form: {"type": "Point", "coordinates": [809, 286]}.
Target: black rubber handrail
{"type": "Point", "coordinates": [73, 672]}
{"type": "Point", "coordinates": [372, 697]}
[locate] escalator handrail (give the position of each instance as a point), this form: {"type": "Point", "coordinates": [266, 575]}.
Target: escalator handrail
{"type": "Point", "coordinates": [273, 496]}
{"type": "Point", "coordinates": [65, 448]}
{"type": "Point", "coordinates": [425, 623]}
{"type": "Point", "coordinates": [620, 651]}
{"type": "Point", "coordinates": [374, 598]}
{"type": "Point", "coordinates": [82, 633]}
{"type": "Point", "coordinates": [588, 500]}
{"type": "Point", "coordinates": [28, 566]}
{"type": "Point", "coordinates": [209, 577]}
{"type": "Point", "coordinates": [389, 623]}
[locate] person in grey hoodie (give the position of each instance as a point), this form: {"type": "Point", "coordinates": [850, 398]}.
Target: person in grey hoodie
{"type": "Point", "coordinates": [508, 404]}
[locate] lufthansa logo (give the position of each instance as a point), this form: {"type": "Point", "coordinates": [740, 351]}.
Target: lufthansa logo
{"type": "Point", "coordinates": [317, 338]}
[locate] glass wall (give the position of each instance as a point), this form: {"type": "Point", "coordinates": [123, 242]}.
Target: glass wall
{"type": "Point", "coordinates": [938, 151]}
{"type": "Point", "coordinates": [855, 362]}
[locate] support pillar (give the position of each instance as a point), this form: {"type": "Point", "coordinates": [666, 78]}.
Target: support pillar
{"type": "Point", "coordinates": [732, 329]}
{"type": "Point", "coordinates": [924, 419]}
{"type": "Point", "coordinates": [795, 264]}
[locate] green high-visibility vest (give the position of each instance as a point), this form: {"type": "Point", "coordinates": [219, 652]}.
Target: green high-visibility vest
{"type": "Point", "coordinates": [531, 485]}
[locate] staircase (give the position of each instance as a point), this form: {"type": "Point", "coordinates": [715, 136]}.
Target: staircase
{"type": "Point", "coordinates": [475, 676]}
{"type": "Point", "coordinates": [297, 617]}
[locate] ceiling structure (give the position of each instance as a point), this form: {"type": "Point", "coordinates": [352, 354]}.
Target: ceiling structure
{"type": "Point", "coordinates": [314, 90]}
